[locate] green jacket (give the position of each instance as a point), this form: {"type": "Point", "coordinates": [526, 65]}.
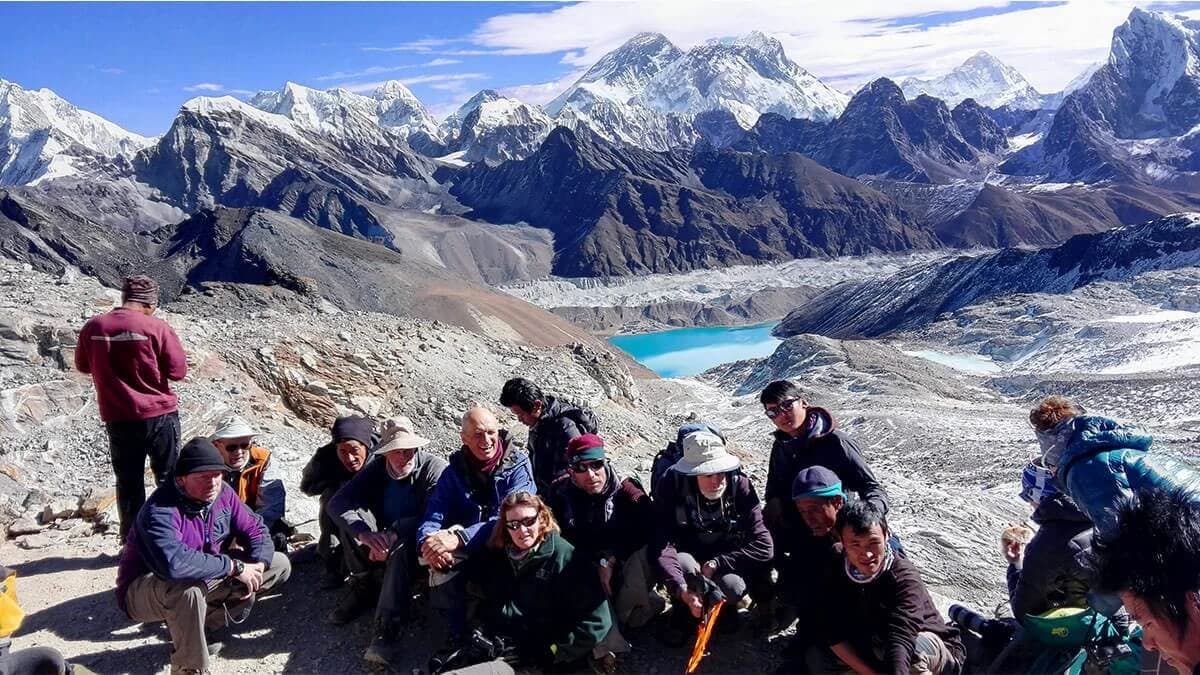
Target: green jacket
{"type": "Point", "coordinates": [551, 601]}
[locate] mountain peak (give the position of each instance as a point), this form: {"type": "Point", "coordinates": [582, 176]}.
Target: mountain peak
{"type": "Point", "coordinates": [983, 77]}
{"type": "Point", "coordinates": [620, 74]}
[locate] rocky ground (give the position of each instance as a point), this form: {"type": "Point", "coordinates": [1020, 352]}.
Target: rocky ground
{"type": "Point", "coordinates": [947, 441]}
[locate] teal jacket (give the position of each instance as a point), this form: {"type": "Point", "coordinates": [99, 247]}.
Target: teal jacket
{"type": "Point", "coordinates": [1105, 462]}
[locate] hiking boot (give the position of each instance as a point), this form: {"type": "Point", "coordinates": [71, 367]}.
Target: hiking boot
{"type": "Point", "coordinates": [383, 645]}
{"type": "Point", "coordinates": [331, 579]}
{"type": "Point", "coordinates": [358, 599]}
{"type": "Point", "coordinates": [445, 656]}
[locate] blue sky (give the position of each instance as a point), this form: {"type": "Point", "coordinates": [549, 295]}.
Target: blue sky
{"type": "Point", "coordinates": [136, 63]}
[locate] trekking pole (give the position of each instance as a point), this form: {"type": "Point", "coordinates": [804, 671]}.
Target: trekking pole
{"type": "Point", "coordinates": [715, 600]}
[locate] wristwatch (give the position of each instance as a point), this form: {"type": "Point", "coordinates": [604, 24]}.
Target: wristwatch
{"type": "Point", "coordinates": [238, 567]}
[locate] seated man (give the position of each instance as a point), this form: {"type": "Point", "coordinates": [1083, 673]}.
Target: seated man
{"type": "Point", "coordinates": [331, 467]}
{"type": "Point", "coordinates": [464, 506]}
{"type": "Point", "coordinates": [255, 479]}
{"type": "Point", "coordinates": [177, 566]}
{"type": "Point", "coordinates": [610, 522]}
{"type": "Point", "coordinates": [552, 424]}
{"type": "Point", "coordinates": [1150, 559]}
{"type": "Point", "coordinates": [879, 616]}
{"type": "Point", "coordinates": [709, 524]}
{"type": "Point", "coordinates": [379, 510]}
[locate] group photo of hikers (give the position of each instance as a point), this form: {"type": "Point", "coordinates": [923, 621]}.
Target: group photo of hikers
{"type": "Point", "coordinates": [543, 556]}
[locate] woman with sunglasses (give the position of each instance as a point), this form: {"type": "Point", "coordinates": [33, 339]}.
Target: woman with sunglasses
{"type": "Point", "coordinates": [536, 591]}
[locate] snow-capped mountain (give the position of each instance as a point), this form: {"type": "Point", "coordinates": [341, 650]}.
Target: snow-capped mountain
{"type": "Point", "coordinates": [629, 124]}
{"type": "Point", "coordinates": [982, 77]}
{"type": "Point", "coordinates": [337, 111]}
{"type": "Point", "coordinates": [747, 76]}
{"type": "Point", "coordinates": [1081, 79]}
{"type": "Point", "coordinates": [43, 136]}
{"type": "Point", "coordinates": [620, 74]}
{"type": "Point", "coordinates": [494, 128]}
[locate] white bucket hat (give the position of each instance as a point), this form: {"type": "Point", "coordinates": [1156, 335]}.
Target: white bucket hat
{"type": "Point", "coordinates": [396, 433]}
{"type": "Point", "coordinates": [705, 453]}
{"type": "Point", "coordinates": [232, 426]}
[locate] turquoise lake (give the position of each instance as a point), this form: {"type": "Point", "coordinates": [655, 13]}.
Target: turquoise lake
{"type": "Point", "coordinates": [690, 351]}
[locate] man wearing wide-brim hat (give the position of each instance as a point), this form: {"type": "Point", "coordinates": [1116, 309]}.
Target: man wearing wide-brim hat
{"type": "Point", "coordinates": [710, 525]}
{"type": "Point", "coordinates": [256, 479]}
{"type": "Point", "coordinates": [378, 512]}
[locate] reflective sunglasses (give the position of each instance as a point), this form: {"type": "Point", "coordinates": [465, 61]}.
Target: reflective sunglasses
{"type": "Point", "coordinates": [514, 525]}
{"type": "Point", "coordinates": [594, 466]}
{"type": "Point", "coordinates": [785, 406]}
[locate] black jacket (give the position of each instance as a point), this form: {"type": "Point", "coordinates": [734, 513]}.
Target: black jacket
{"type": "Point", "coordinates": [365, 492]}
{"type": "Point", "coordinates": [888, 613]}
{"type": "Point", "coordinates": [325, 471]}
{"type": "Point", "coordinates": [1052, 574]}
{"type": "Point", "coordinates": [560, 422]}
{"type": "Point", "coordinates": [617, 522]}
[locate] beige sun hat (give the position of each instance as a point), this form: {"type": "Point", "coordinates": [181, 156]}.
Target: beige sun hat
{"type": "Point", "coordinates": [704, 453]}
{"type": "Point", "coordinates": [232, 426]}
{"type": "Point", "coordinates": [396, 433]}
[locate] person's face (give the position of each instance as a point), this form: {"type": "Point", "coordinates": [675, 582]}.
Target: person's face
{"type": "Point", "coordinates": [353, 455]}
{"type": "Point", "coordinates": [712, 485]}
{"type": "Point", "coordinates": [523, 525]}
{"type": "Point", "coordinates": [788, 415]}
{"type": "Point", "coordinates": [527, 417]}
{"type": "Point", "coordinates": [1178, 645]}
{"type": "Point", "coordinates": [401, 461]}
{"type": "Point", "coordinates": [589, 476]}
{"type": "Point", "coordinates": [819, 513]}
{"type": "Point", "coordinates": [236, 451]}
{"type": "Point", "coordinates": [202, 486]}
{"type": "Point", "coordinates": [866, 552]}
{"type": "Point", "coordinates": [482, 438]}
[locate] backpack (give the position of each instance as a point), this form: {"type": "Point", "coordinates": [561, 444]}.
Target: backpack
{"type": "Point", "coordinates": [666, 458]}
{"type": "Point", "coordinates": [583, 418]}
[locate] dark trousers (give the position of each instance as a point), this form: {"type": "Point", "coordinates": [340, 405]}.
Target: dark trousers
{"type": "Point", "coordinates": [129, 444]}
{"type": "Point", "coordinates": [394, 577]}
{"type": "Point", "coordinates": [31, 661]}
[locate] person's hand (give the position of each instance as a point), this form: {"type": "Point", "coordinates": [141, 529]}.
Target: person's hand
{"type": "Point", "coordinates": [709, 568]}
{"type": "Point", "coordinates": [438, 549]}
{"type": "Point", "coordinates": [1014, 551]}
{"type": "Point", "coordinates": [378, 544]}
{"type": "Point", "coordinates": [251, 577]}
{"type": "Point", "coordinates": [606, 575]}
{"type": "Point", "coordinates": [693, 602]}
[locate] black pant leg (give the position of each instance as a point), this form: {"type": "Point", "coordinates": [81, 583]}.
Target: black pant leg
{"type": "Point", "coordinates": [127, 447]}
{"type": "Point", "coordinates": [162, 440]}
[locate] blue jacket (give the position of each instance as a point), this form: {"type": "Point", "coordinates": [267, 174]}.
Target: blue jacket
{"type": "Point", "coordinates": [1105, 462]}
{"type": "Point", "coordinates": [459, 499]}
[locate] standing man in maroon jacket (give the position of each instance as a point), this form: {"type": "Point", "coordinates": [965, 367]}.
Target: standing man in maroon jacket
{"type": "Point", "coordinates": [132, 358]}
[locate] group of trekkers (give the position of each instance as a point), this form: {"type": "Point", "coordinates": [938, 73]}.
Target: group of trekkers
{"type": "Point", "coordinates": [545, 556]}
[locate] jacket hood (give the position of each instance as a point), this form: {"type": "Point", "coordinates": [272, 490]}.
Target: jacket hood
{"type": "Point", "coordinates": [1058, 508]}
{"type": "Point", "coordinates": [1091, 434]}
{"type": "Point", "coordinates": [818, 422]}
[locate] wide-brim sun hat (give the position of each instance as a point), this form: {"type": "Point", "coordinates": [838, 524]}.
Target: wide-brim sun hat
{"type": "Point", "coordinates": [232, 426]}
{"type": "Point", "coordinates": [397, 433]}
{"type": "Point", "coordinates": [705, 453]}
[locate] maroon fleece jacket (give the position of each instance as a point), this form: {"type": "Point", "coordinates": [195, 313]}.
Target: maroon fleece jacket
{"type": "Point", "coordinates": [132, 359]}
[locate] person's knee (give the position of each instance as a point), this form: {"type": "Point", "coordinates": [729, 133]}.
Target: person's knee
{"type": "Point", "coordinates": [733, 586]}
{"type": "Point", "coordinates": [688, 563]}
{"type": "Point", "coordinates": [281, 569]}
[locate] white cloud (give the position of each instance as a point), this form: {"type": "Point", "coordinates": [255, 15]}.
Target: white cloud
{"type": "Point", "coordinates": [846, 43]}
{"type": "Point", "coordinates": [206, 86]}
{"type": "Point", "coordinates": [544, 92]}
{"type": "Point", "coordinates": [371, 71]}
{"type": "Point", "coordinates": [360, 87]}
{"type": "Point", "coordinates": [422, 45]}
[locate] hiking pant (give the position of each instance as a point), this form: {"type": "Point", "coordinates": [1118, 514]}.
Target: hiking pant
{"type": "Point", "coordinates": [634, 601]}
{"type": "Point", "coordinates": [129, 443]}
{"type": "Point", "coordinates": [189, 608]}
{"type": "Point", "coordinates": [395, 576]}
{"type": "Point", "coordinates": [731, 584]}
{"type": "Point", "coordinates": [930, 657]}
{"type": "Point", "coordinates": [453, 596]}
{"type": "Point", "coordinates": [329, 533]}
{"type": "Point", "coordinates": [31, 661]}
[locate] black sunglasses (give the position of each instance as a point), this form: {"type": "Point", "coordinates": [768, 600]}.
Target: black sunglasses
{"type": "Point", "coordinates": [239, 446]}
{"type": "Point", "coordinates": [514, 525]}
{"type": "Point", "coordinates": [595, 466]}
{"type": "Point", "coordinates": [784, 406]}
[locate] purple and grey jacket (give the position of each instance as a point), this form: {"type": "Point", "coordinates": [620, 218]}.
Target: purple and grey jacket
{"type": "Point", "coordinates": [179, 539]}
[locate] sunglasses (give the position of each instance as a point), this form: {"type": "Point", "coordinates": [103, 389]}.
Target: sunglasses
{"type": "Point", "coordinates": [238, 446]}
{"type": "Point", "coordinates": [527, 523]}
{"type": "Point", "coordinates": [595, 466]}
{"type": "Point", "coordinates": [785, 406]}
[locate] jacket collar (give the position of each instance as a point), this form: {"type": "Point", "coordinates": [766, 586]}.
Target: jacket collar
{"type": "Point", "coordinates": [818, 423]}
